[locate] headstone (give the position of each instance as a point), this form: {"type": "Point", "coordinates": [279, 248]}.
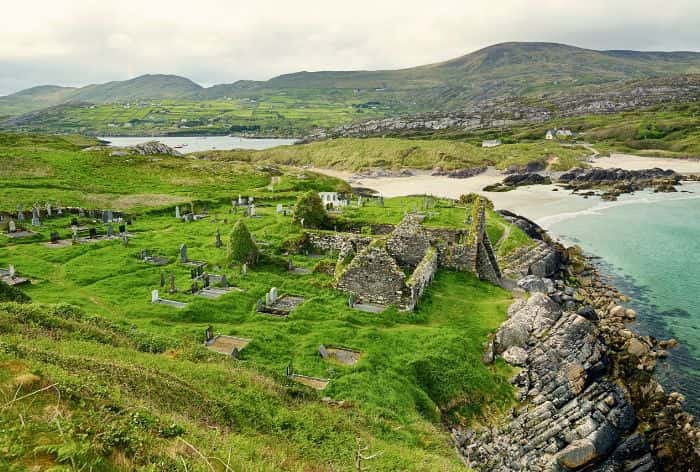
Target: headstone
{"type": "Point", "coordinates": [105, 217]}
{"type": "Point", "coordinates": [110, 216]}
{"type": "Point", "coordinates": [240, 200]}
{"type": "Point", "coordinates": [192, 208]}
{"type": "Point", "coordinates": [144, 254]}
{"type": "Point", "coordinates": [224, 281]}
{"type": "Point", "coordinates": [74, 230]}
{"type": "Point", "coordinates": [59, 209]}
{"type": "Point", "coordinates": [48, 209]}
{"type": "Point", "coordinates": [20, 213]}
{"type": "Point", "coordinates": [154, 296]}
{"type": "Point", "coordinates": [235, 353]}
{"type": "Point", "coordinates": [209, 333]}
{"type": "Point", "coordinates": [244, 269]}
{"type": "Point", "coordinates": [194, 288]}
{"type": "Point", "coordinates": [268, 299]}
{"type": "Point", "coordinates": [122, 229]}
{"type": "Point", "coordinates": [290, 264]}
{"type": "Point", "coordinates": [252, 212]}
{"type": "Point", "coordinates": [322, 351]}
{"type": "Point", "coordinates": [218, 238]}
{"type": "Point", "coordinates": [81, 213]}
{"type": "Point", "coordinates": [162, 279]}
{"type": "Point", "coordinates": [177, 212]}
{"type": "Point", "coordinates": [11, 226]}
{"type": "Point", "coordinates": [250, 200]}
{"type": "Point", "coordinates": [290, 370]}
{"type": "Point", "coordinates": [193, 273]}
{"type": "Point", "coordinates": [74, 222]}
{"type": "Point", "coordinates": [273, 294]}
{"type": "Point", "coordinates": [125, 239]}
{"type": "Point", "coordinates": [280, 208]}
{"type": "Point", "coordinates": [11, 271]}
{"type": "Point", "coordinates": [172, 283]}
{"type": "Point", "coordinates": [93, 233]}
{"type": "Point", "coordinates": [110, 230]}
{"type": "Point", "coordinates": [205, 278]}
{"type": "Point", "coordinates": [35, 216]}
{"type": "Point", "coordinates": [200, 270]}
{"type": "Point", "coordinates": [54, 237]}
{"type": "Point", "coordinates": [351, 301]}
{"type": "Point", "coordinates": [183, 253]}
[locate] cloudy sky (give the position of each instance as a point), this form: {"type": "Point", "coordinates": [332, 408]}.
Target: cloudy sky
{"type": "Point", "coordinates": [77, 42]}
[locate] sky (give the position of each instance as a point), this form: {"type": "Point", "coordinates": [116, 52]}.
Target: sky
{"type": "Point", "coordinates": [78, 42]}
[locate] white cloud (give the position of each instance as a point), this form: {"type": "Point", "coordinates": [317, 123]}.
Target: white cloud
{"type": "Point", "coordinates": [211, 41]}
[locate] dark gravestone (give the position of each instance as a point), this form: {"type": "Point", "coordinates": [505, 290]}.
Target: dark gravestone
{"type": "Point", "coordinates": [209, 333]}
{"type": "Point", "coordinates": [122, 229]}
{"type": "Point", "coordinates": [193, 273]}
{"type": "Point", "coordinates": [54, 237]}
{"type": "Point", "coordinates": [322, 350]}
{"type": "Point", "coordinates": [206, 280]}
{"type": "Point", "coordinates": [74, 222]}
{"type": "Point", "coordinates": [235, 353]}
{"type": "Point", "coordinates": [224, 281]}
{"type": "Point", "coordinates": [195, 288]}
{"type": "Point", "coordinates": [93, 233]}
{"type": "Point", "coordinates": [162, 279]}
{"type": "Point", "coordinates": [172, 283]}
{"type": "Point", "coordinates": [200, 270]}
{"type": "Point", "coordinates": [218, 239]}
{"type": "Point", "coordinates": [128, 221]}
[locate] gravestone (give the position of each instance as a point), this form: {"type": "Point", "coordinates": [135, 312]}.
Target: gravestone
{"type": "Point", "coordinates": [74, 230]}
{"type": "Point", "coordinates": [200, 270]}
{"type": "Point", "coordinates": [11, 271]}
{"type": "Point", "coordinates": [280, 208]}
{"type": "Point", "coordinates": [81, 213]}
{"type": "Point", "coordinates": [59, 209]}
{"type": "Point", "coordinates": [110, 230]}
{"type": "Point", "coordinates": [35, 216]}
{"type": "Point", "coordinates": [172, 283]}
{"type": "Point", "coordinates": [323, 352]}
{"type": "Point", "coordinates": [177, 212]}
{"type": "Point", "coordinates": [268, 299]}
{"type": "Point", "coordinates": [290, 264]}
{"type": "Point", "coordinates": [144, 254]}
{"type": "Point", "coordinates": [240, 200]}
{"type": "Point", "coordinates": [183, 253]}
{"type": "Point", "coordinates": [224, 281]}
{"type": "Point", "coordinates": [273, 295]}
{"type": "Point", "coordinates": [351, 301]}
{"type": "Point", "coordinates": [122, 229]}
{"type": "Point", "coordinates": [93, 233]}
{"type": "Point", "coordinates": [74, 222]}
{"type": "Point", "coordinates": [54, 237]}
{"type": "Point", "coordinates": [209, 333]}
{"type": "Point", "coordinates": [48, 209]}
{"type": "Point", "coordinates": [110, 216]}
{"type": "Point", "coordinates": [193, 273]}
{"type": "Point", "coordinates": [252, 212]}
{"type": "Point", "coordinates": [154, 296]}
{"type": "Point", "coordinates": [235, 353]}
{"type": "Point", "coordinates": [192, 208]}
{"type": "Point", "coordinates": [162, 279]}
{"type": "Point", "coordinates": [11, 227]}
{"type": "Point", "coordinates": [218, 238]}
{"type": "Point", "coordinates": [20, 213]}
{"type": "Point", "coordinates": [125, 239]}
{"type": "Point", "coordinates": [105, 217]}
{"type": "Point", "coordinates": [205, 278]}
{"type": "Point", "coordinates": [244, 269]}
{"type": "Point", "coordinates": [194, 288]}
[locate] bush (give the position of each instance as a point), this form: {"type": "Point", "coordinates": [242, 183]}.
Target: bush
{"type": "Point", "coordinates": [310, 209]}
{"type": "Point", "coordinates": [241, 248]}
{"type": "Point", "coordinates": [8, 293]}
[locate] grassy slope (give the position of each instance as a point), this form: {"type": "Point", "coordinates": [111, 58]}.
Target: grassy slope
{"type": "Point", "coordinates": [397, 153]}
{"type": "Point", "coordinates": [416, 369]}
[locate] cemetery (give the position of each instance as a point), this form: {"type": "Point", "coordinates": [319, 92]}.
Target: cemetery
{"type": "Point", "coordinates": [329, 280]}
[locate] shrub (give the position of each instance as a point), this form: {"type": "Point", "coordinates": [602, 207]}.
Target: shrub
{"type": "Point", "coordinates": [309, 208]}
{"type": "Point", "coordinates": [241, 248]}
{"type": "Point", "coordinates": [8, 293]}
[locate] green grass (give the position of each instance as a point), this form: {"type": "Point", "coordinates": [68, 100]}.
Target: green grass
{"type": "Point", "coordinates": [398, 153]}
{"type": "Point", "coordinates": [133, 377]}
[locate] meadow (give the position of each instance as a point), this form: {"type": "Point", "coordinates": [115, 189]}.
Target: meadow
{"type": "Point", "coordinates": [95, 376]}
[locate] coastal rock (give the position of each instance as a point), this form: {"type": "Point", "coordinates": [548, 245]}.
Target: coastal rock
{"type": "Point", "coordinates": [515, 356]}
{"type": "Point", "coordinates": [520, 180]}
{"type": "Point", "coordinates": [532, 283]}
{"type": "Point", "coordinates": [547, 266]}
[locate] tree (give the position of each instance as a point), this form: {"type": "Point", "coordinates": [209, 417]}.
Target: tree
{"type": "Point", "coordinates": [241, 247]}
{"type": "Point", "coordinates": [309, 208]}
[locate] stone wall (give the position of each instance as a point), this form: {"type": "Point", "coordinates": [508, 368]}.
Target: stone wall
{"type": "Point", "coordinates": [373, 276]}
{"type": "Point", "coordinates": [343, 243]}
{"type": "Point", "coordinates": [408, 242]}
{"type": "Point", "coordinates": [421, 278]}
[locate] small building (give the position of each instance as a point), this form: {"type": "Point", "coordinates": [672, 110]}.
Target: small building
{"type": "Point", "coordinates": [332, 199]}
{"type": "Point", "coordinates": [549, 135]}
{"type": "Point", "coordinates": [555, 133]}
{"type": "Point", "coordinates": [489, 143]}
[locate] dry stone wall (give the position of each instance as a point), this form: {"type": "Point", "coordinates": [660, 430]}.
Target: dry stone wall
{"type": "Point", "coordinates": [409, 242]}
{"type": "Point", "coordinates": [421, 278]}
{"type": "Point", "coordinates": [373, 276]}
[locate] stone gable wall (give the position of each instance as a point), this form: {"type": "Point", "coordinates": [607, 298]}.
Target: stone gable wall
{"type": "Point", "coordinates": [421, 278]}
{"type": "Point", "coordinates": [344, 243]}
{"type": "Point", "coordinates": [373, 276]}
{"type": "Point", "coordinates": [409, 242]}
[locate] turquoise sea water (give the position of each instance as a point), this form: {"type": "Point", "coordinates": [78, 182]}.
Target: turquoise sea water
{"type": "Point", "coordinates": [649, 245]}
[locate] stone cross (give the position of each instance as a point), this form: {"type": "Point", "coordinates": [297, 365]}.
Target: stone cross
{"type": "Point", "coordinates": [183, 253]}
{"type": "Point", "coordinates": [154, 296]}
{"type": "Point", "coordinates": [11, 226]}
{"type": "Point", "coordinates": [172, 283]}
{"type": "Point", "coordinates": [177, 212]}
{"type": "Point", "coordinates": [218, 238]}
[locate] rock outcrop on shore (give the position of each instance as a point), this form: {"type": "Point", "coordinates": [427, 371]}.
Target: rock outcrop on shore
{"type": "Point", "coordinates": [150, 148]}
{"type": "Point", "coordinates": [588, 398]}
{"type": "Point", "coordinates": [615, 182]}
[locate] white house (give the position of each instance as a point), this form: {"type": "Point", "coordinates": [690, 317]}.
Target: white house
{"type": "Point", "coordinates": [332, 199]}
{"type": "Point", "coordinates": [558, 133]}
{"type": "Point", "coordinates": [489, 143]}
{"type": "Point", "coordinates": [550, 134]}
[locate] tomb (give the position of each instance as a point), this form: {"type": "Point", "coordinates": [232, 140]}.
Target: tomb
{"type": "Point", "coordinates": [227, 345]}
{"type": "Point", "coordinates": [312, 382]}
{"type": "Point", "coordinates": [342, 355]}
{"type": "Point", "coordinates": [10, 277]}
{"type": "Point", "coordinates": [278, 306]}
{"type": "Point", "coordinates": [153, 259]}
{"type": "Point", "coordinates": [155, 299]}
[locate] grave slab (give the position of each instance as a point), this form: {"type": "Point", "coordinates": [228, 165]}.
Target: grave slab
{"type": "Point", "coordinates": [226, 344]}
{"type": "Point", "coordinates": [313, 382]}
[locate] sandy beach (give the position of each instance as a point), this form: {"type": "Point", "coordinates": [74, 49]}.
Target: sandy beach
{"type": "Point", "coordinates": [538, 202]}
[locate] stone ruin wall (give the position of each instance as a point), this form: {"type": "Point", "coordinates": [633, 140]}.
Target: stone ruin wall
{"type": "Point", "coordinates": [343, 243]}
{"type": "Point", "coordinates": [374, 277]}
{"type": "Point", "coordinates": [421, 278]}
{"type": "Point", "coordinates": [409, 242]}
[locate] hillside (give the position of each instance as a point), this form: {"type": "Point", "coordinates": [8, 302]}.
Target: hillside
{"type": "Point", "coordinates": [502, 70]}
{"type": "Point", "coordinates": [95, 376]}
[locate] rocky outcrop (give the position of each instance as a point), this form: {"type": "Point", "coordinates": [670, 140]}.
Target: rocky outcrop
{"type": "Point", "coordinates": [615, 182]}
{"type": "Point", "coordinates": [460, 173]}
{"type": "Point", "coordinates": [520, 180]}
{"type": "Point", "coordinates": [151, 148]}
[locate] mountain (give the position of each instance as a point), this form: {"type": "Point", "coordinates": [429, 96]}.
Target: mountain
{"type": "Point", "coordinates": [498, 71]}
